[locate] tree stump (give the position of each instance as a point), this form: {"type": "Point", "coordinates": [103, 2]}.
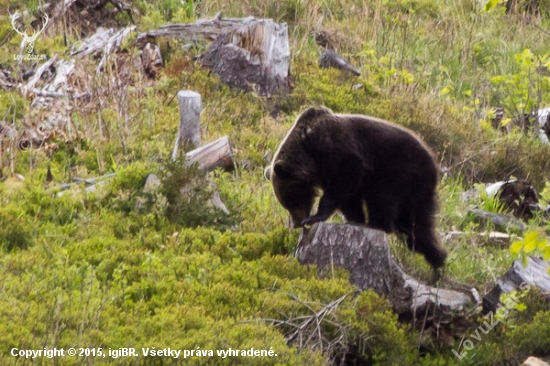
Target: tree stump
{"type": "Point", "coordinates": [365, 254]}
{"type": "Point", "coordinates": [252, 57]}
{"type": "Point", "coordinates": [189, 129]}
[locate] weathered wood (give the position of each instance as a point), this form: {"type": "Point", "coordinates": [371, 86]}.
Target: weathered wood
{"type": "Point", "coordinates": [202, 29]}
{"type": "Point", "coordinates": [519, 278]}
{"type": "Point", "coordinates": [517, 196]}
{"type": "Point", "coordinates": [151, 59]}
{"type": "Point", "coordinates": [365, 254]}
{"type": "Point", "coordinates": [104, 42]}
{"type": "Point", "coordinates": [491, 238]}
{"type": "Point", "coordinates": [189, 128]}
{"type": "Point", "coordinates": [501, 222]}
{"type": "Point", "coordinates": [543, 119]}
{"type": "Point", "coordinates": [534, 361]}
{"type": "Point", "coordinates": [216, 154]}
{"type": "Point", "coordinates": [5, 81]}
{"type": "Point", "coordinates": [31, 83]}
{"type": "Point", "coordinates": [253, 57]}
{"type": "Point", "coordinates": [330, 58]}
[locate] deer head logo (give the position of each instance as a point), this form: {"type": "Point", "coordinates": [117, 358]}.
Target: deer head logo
{"type": "Point", "coordinates": [28, 41]}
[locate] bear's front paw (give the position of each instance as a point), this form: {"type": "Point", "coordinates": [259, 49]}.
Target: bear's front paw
{"type": "Point", "coordinates": [309, 221]}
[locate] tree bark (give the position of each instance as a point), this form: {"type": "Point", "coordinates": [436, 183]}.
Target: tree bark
{"type": "Point", "coordinates": [253, 57]}
{"type": "Point", "coordinates": [519, 278]}
{"type": "Point", "coordinates": [202, 29]}
{"type": "Point", "coordinates": [365, 254]}
{"type": "Point", "coordinates": [189, 128]}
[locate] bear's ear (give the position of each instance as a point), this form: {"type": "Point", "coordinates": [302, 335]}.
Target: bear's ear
{"type": "Point", "coordinates": [267, 173]}
{"type": "Point", "coordinates": [282, 170]}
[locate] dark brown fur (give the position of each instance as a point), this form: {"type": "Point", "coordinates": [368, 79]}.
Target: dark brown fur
{"type": "Point", "coordinates": [356, 159]}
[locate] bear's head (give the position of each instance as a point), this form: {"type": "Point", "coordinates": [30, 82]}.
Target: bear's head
{"type": "Point", "coordinates": [293, 172]}
{"type": "Point", "coordinates": [294, 194]}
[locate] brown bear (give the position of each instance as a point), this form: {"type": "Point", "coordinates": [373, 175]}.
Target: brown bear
{"type": "Point", "coordinates": [357, 159]}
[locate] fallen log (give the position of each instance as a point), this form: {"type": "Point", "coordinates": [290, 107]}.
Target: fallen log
{"type": "Point", "coordinates": [202, 29]}
{"type": "Point", "coordinates": [31, 83]}
{"type": "Point", "coordinates": [501, 222]}
{"type": "Point", "coordinates": [104, 42]}
{"type": "Point", "coordinates": [491, 238]}
{"type": "Point", "coordinates": [330, 58]}
{"type": "Point", "coordinates": [519, 278]}
{"type": "Point", "coordinates": [216, 154]}
{"type": "Point", "coordinates": [365, 254]}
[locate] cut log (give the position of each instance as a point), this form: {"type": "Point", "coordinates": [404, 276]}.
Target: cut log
{"type": "Point", "coordinates": [216, 154]}
{"type": "Point", "coordinates": [202, 29]}
{"type": "Point", "coordinates": [330, 58]}
{"type": "Point", "coordinates": [501, 222]}
{"type": "Point", "coordinates": [519, 278]}
{"type": "Point", "coordinates": [189, 129]}
{"type": "Point", "coordinates": [365, 254]}
{"type": "Point", "coordinates": [253, 57]}
{"type": "Point", "coordinates": [491, 238]}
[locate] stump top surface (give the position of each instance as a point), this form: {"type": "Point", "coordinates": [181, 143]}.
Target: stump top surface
{"type": "Point", "coordinates": [188, 94]}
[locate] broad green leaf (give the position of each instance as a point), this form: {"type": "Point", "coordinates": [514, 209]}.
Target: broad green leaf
{"type": "Point", "coordinates": [530, 241]}
{"type": "Point", "coordinates": [491, 4]}
{"type": "Point", "coordinates": [516, 247]}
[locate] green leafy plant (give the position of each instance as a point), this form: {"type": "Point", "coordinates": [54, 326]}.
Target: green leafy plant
{"type": "Point", "coordinates": [522, 92]}
{"type": "Point", "coordinates": [533, 241]}
{"type": "Point", "coordinates": [490, 203]}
